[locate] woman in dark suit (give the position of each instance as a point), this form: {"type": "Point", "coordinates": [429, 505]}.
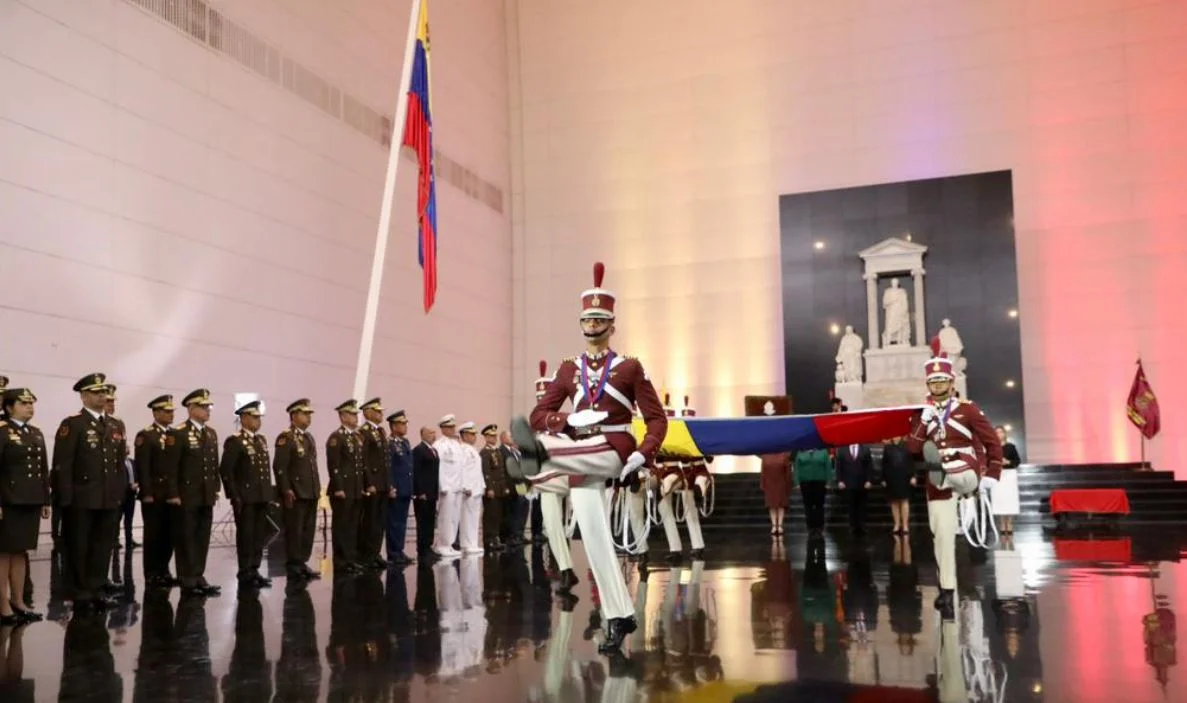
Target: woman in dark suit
{"type": "Point", "coordinates": [24, 500]}
{"type": "Point", "coordinates": [898, 475]}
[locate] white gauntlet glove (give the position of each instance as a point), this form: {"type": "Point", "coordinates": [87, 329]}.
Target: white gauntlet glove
{"type": "Point", "coordinates": [987, 483]}
{"type": "Point", "coordinates": [634, 462]}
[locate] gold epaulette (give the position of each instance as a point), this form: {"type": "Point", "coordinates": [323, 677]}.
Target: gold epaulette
{"type": "Point", "coordinates": [569, 358]}
{"type": "Point", "coordinates": [3, 423]}
{"type": "Point", "coordinates": [148, 429]}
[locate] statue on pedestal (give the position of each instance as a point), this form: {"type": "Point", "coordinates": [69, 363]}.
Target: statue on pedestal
{"type": "Point", "coordinates": [951, 344]}
{"type": "Point", "coordinates": [897, 310]}
{"type": "Point", "coordinates": [849, 366]}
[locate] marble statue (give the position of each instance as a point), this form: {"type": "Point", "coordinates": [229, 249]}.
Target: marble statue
{"type": "Point", "coordinates": [897, 311]}
{"type": "Point", "coordinates": [849, 366]}
{"type": "Point", "coordinates": [951, 344]}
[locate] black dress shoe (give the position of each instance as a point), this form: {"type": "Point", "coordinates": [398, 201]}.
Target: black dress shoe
{"type": "Point", "coordinates": [674, 557]}
{"type": "Point", "coordinates": [112, 587]}
{"type": "Point", "coordinates": [616, 631]}
{"type": "Point", "coordinates": [698, 554]}
{"type": "Point", "coordinates": [9, 620]}
{"type": "Point", "coordinates": [26, 615]}
{"type": "Point", "coordinates": [311, 574]}
{"type": "Point", "coordinates": [262, 581]}
{"type": "Point", "coordinates": [379, 563]}
{"type": "Point", "coordinates": [103, 603]}
{"type": "Point", "coordinates": [532, 453]}
{"type": "Point", "coordinates": [194, 592]}
{"type": "Point", "coordinates": [567, 580]}
{"type": "Point", "coordinates": [946, 604]}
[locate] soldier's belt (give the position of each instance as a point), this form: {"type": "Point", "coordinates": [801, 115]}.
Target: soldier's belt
{"type": "Point", "coordinates": [595, 430]}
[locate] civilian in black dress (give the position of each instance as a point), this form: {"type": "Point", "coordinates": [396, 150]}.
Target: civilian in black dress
{"type": "Point", "coordinates": [898, 475]}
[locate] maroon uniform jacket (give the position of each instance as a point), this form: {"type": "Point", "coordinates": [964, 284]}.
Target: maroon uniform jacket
{"type": "Point", "coordinates": [967, 427]}
{"type": "Point", "coordinates": [627, 386]}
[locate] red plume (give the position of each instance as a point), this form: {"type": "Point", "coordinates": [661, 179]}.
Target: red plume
{"type": "Point", "coordinates": [599, 273]}
{"type": "Point", "coordinates": [667, 399]}
{"type": "Point", "coordinates": [935, 348]}
{"type": "Point", "coordinates": [686, 401]}
{"type": "Point", "coordinates": [543, 368]}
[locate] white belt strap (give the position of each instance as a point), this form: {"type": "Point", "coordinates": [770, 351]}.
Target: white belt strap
{"type": "Point", "coordinates": [960, 428]}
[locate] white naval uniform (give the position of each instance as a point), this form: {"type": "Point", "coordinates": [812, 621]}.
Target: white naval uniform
{"type": "Point", "coordinates": [471, 505]}
{"type": "Point", "coordinates": [452, 454]}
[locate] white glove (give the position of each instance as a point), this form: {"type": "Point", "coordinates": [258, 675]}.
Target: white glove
{"type": "Point", "coordinates": [987, 483]}
{"type": "Point", "coordinates": [585, 418]}
{"type": "Point", "coordinates": [634, 462]}
{"type": "Point", "coordinates": [928, 415]}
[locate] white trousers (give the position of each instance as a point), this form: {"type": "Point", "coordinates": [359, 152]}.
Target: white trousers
{"type": "Point", "coordinates": [589, 507]}
{"type": "Point", "coordinates": [556, 662]}
{"type": "Point", "coordinates": [636, 503]}
{"type": "Point", "coordinates": [592, 456]}
{"type": "Point", "coordinates": [951, 682]}
{"type": "Point", "coordinates": [471, 517]}
{"type": "Point", "coordinates": [692, 520]}
{"type": "Point", "coordinates": [449, 507]}
{"type": "Point", "coordinates": [941, 515]}
{"type": "Point", "coordinates": [554, 529]}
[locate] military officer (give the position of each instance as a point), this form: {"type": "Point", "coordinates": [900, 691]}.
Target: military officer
{"type": "Point", "coordinates": [598, 443]}
{"type": "Point", "coordinates": [24, 499]}
{"type": "Point", "coordinates": [248, 483]}
{"type": "Point", "coordinates": [498, 492]}
{"type": "Point", "coordinates": [152, 477]}
{"type": "Point", "coordinates": [377, 483]}
{"type": "Point", "coordinates": [191, 470]}
{"type": "Point", "coordinates": [128, 509]}
{"type": "Point", "coordinates": [399, 496]}
{"type": "Point", "coordinates": [473, 489]}
{"type": "Point", "coordinates": [299, 486]}
{"type": "Point", "coordinates": [344, 462]}
{"type": "Point", "coordinates": [955, 438]}
{"type": "Point", "coordinates": [89, 452]}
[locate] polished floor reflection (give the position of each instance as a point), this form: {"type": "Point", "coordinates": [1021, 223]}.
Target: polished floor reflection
{"type": "Point", "coordinates": [1076, 617]}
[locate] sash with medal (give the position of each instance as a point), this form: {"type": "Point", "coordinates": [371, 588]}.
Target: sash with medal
{"type": "Point", "coordinates": [590, 416]}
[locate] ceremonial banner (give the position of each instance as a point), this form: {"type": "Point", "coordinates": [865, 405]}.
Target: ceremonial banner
{"type": "Point", "coordinates": [1142, 406]}
{"type": "Point", "coordinates": [418, 134]}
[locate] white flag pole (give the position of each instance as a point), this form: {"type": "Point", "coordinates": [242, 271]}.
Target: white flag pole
{"type": "Point", "coordinates": [371, 312]}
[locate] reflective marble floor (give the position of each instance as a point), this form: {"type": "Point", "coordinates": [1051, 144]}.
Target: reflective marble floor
{"type": "Point", "coordinates": [1077, 617]}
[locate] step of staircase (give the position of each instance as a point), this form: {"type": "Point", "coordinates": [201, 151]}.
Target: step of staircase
{"type": "Point", "coordinates": [1154, 496]}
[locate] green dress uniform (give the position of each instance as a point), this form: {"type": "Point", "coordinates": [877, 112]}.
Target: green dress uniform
{"type": "Point", "coordinates": [498, 493]}
{"type": "Point", "coordinates": [191, 465]}
{"type": "Point", "coordinates": [372, 513]}
{"type": "Point", "coordinates": [344, 462]}
{"type": "Point", "coordinates": [295, 468]}
{"type": "Point", "coordinates": [89, 453]}
{"type": "Point", "coordinates": [151, 474]}
{"type": "Point", "coordinates": [24, 481]}
{"type": "Point", "coordinates": [247, 481]}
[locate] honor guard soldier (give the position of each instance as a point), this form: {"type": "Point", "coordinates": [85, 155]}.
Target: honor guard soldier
{"type": "Point", "coordinates": [298, 485]}
{"type": "Point", "coordinates": [153, 479]}
{"type": "Point", "coordinates": [962, 454]}
{"type": "Point", "coordinates": [89, 452]}
{"type": "Point", "coordinates": [24, 499]}
{"type": "Point", "coordinates": [344, 462]}
{"type": "Point", "coordinates": [247, 481]}
{"type": "Point", "coordinates": [496, 527]}
{"type": "Point", "coordinates": [377, 483]}
{"type": "Point", "coordinates": [128, 509]}
{"type": "Point", "coordinates": [399, 495]}
{"type": "Point", "coordinates": [597, 443]}
{"type": "Point", "coordinates": [191, 465]}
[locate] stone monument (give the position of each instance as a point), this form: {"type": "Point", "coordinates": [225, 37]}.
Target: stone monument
{"type": "Point", "coordinates": [899, 343]}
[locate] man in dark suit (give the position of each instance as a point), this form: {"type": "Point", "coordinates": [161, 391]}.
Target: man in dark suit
{"type": "Point", "coordinates": [399, 496]}
{"type": "Point", "coordinates": [152, 479]}
{"type": "Point", "coordinates": [855, 476]}
{"type": "Point", "coordinates": [425, 481]}
{"type": "Point", "coordinates": [89, 453]}
{"type": "Point", "coordinates": [298, 485]}
{"type": "Point", "coordinates": [191, 464]}
{"type": "Point", "coordinates": [518, 503]}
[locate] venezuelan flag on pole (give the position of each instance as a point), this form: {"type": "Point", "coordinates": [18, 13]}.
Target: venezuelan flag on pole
{"type": "Point", "coordinates": [418, 134]}
{"type": "Point", "coordinates": [746, 436]}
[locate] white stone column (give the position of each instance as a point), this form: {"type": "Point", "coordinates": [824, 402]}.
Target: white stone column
{"type": "Point", "coordinates": [921, 338]}
{"type": "Point", "coordinates": [873, 334]}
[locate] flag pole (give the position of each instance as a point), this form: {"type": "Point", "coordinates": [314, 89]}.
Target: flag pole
{"type": "Point", "coordinates": [371, 312]}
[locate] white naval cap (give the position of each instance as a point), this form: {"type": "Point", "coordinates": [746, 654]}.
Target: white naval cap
{"type": "Point", "coordinates": [447, 421]}
{"type": "Point", "coordinates": [468, 427]}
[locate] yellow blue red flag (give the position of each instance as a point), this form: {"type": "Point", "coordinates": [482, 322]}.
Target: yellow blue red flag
{"type": "Point", "coordinates": [418, 134]}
